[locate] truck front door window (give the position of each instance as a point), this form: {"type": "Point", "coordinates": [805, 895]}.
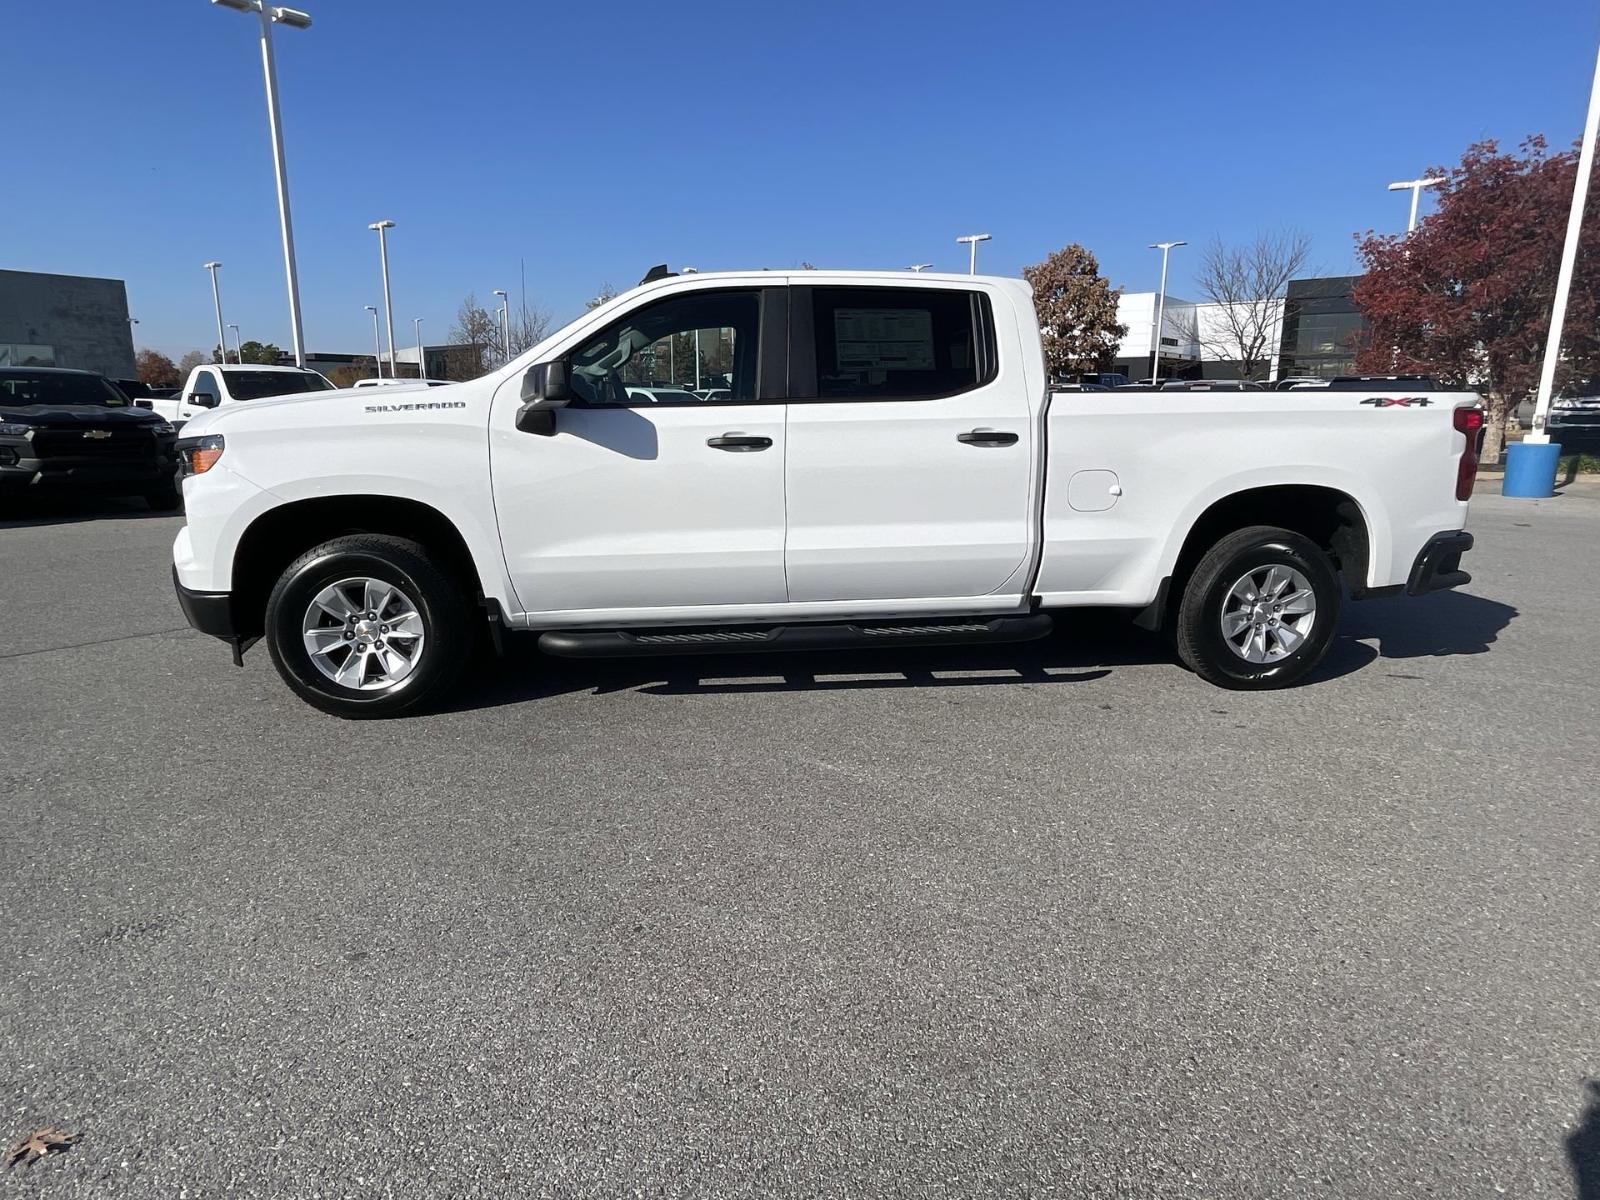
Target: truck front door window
{"type": "Point", "coordinates": [694, 348]}
{"type": "Point", "coordinates": [205, 385]}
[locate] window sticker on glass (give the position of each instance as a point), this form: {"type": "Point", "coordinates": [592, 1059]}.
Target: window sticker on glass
{"type": "Point", "coordinates": [895, 339]}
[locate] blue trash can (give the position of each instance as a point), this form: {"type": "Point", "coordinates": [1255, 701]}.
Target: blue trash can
{"type": "Point", "coordinates": [1531, 469]}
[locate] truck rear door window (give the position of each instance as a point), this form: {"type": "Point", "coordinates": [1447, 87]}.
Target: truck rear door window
{"type": "Point", "coordinates": [257, 385]}
{"type": "Point", "coordinates": [899, 343]}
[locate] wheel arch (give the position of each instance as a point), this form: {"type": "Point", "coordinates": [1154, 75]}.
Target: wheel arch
{"type": "Point", "coordinates": [281, 534]}
{"type": "Point", "coordinates": [1332, 518]}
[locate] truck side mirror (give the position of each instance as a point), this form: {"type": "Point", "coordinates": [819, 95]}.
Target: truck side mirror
{"type": "Point", "coordinates": [544, 389]}
{"type": "Point", "coordinates": [547, 382]}
{"type": "Point", "coordinates": [203, 399]}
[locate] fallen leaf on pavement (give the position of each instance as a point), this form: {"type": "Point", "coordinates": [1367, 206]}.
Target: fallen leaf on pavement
{"type": "Point", "coordinates": [49, 1140]}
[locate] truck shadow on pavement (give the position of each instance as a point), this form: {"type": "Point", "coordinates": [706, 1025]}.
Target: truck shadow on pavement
{"type": "Point", "coordinates": [1086, 646]}
{"type": "Point", "coordinates": [1433, 626]}
{"type": "Point", "coordinates": [1583, 1148]}
{"type": "Point", "coordinates": [69, 510]}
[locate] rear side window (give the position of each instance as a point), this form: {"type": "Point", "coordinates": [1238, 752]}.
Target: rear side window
{"type": "Point", "coordinates": [899, 343]}
{"type": "Point", "coordinates": [258, 385]}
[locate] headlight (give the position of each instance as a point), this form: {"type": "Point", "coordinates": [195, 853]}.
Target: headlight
{"type": "Point", "coordinates": [14, 429]}
{"type": "Point", "coordinates": [161, 428]}
{"type": "Point", "coordinates": [1564, 403]}
{"type": "Point", "coordinates": [197, 455]}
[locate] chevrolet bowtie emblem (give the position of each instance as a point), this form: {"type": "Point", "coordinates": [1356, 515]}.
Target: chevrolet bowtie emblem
{"type": "Point", "coordinates": [97, 433]}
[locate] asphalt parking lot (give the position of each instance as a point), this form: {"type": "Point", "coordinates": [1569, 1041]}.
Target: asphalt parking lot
{"type": "Point", "coordinates": [1057, 919]}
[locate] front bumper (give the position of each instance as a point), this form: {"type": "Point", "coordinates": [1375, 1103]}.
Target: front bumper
{"type": "Point", "coordinates": [209, 612]}
{"type": "Point", "coordinates": [1576, 428]}
{"type": "Point", "coordinates": [22, 471]}
{"type": "Point", "coordinates": [1438, 564]}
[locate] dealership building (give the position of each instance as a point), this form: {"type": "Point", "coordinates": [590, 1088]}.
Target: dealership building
{"type": "Point", "coordinates": [65, 321]}
{"type": "Point", "coordinates": [1313, 330]}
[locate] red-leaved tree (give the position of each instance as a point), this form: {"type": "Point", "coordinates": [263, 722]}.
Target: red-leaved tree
{"type": "Point", "coordinates": [156, 369]}
{"type": "Point", "coordinates": [1466, 297]}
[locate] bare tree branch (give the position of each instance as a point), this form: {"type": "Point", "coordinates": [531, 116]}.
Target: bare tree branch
{"type": "Point", "coordinates": [1247, 284]}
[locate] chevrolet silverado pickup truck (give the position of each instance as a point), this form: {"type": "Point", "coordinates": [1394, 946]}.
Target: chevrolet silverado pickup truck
{"type": "Point", "coordinates": [889, 467]}
{"type": "Point", "coordinates": [219, 384]}
{"type": "Point", "coordinates": [75, 432]}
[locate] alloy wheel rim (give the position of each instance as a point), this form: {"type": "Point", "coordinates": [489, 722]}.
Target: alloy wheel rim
{"type": "Point", "coordinates": [1268, 613]}
{"type": "Point", "coordinates": [364, 634]}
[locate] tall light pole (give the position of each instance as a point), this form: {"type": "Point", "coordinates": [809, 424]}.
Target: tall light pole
{"type": "Point", "coordinates": [416, 325]}
{"type": "Point", "coordinates": [919, 267]}
{"type": "Point", "coordinates": [388, 310]}
{"type": "Point", "coordinates": [1569, 254]}
{"type": "Point", "coordinates": [1415, 186]}
{"type": "Point", "coordinates": [505, 322]}
{"type": "Point", "coordinates": [295, 19]}
{"type": "Point", "coordinates": [216, 299]}
{"type": "Point", "coordinates": [377, 342]}
{"type": "Point", "coordinates": [238, 344]}
{"type": "Point", "coordinates": [1166, 248]}
{"type": "Point", "coordinates": [972, 240]}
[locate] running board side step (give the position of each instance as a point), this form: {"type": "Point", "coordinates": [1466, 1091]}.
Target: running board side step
{"type": "Point", "coordinates": [624, 643]}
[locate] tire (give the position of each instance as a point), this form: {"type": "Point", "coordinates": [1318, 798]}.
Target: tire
{"type": "Point", "coordinates": [401, 667]}
{"type": "Point", "coordinates": [165, 499]}
{"type": "Point", "coordinates": [1229, 632]}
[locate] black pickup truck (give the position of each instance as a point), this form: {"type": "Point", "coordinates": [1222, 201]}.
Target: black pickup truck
{"type": "Point", "coordinates": [74, 431]}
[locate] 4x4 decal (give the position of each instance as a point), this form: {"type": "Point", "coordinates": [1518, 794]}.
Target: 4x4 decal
{"type": "Point", "coordinates": [1397, 401]}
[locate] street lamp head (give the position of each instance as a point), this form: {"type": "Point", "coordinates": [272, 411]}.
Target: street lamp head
{"type": "Point", "coordinates": [499, 293]}
{"type": "Point", "coordinates": [381, 225]}
{"type": "Point", "coordinates": [236, 5]}
{"type": "Point", "coordinates": [1405, 185]}
{"type": "Point", "coordinates": [371, 309]}
{"type": "Point", "coordinates": [919, 267]}
{"type": "Point", "coordinates": [974, 237]}
{"type": "Point", "coordinates": [1166, 245]}
{"type": "Point", "coordinates": [292, 17]}
{"type": "Point", "coordinates": [212, 266]}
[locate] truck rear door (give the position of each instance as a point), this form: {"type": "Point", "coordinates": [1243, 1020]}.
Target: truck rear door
{"type": "Point", "coordinates": [910, 445]}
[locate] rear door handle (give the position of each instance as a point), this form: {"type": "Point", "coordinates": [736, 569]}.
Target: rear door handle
{"type": "Point", "coordinates": [739, 443]}
{"type": "Point", "coordinates": [987, 437]}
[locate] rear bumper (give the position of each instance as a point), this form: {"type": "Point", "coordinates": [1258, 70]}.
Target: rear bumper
{"type": "Point", "coordinates": [209, 612]}
{"type": "Point", "coordinates": [1438, 564]}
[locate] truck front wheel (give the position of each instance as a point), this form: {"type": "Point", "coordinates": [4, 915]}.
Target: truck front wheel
{"type": "Point", "coordinates": [1259, 611]}
{"type": "Point", "coordinates": [367, 626]}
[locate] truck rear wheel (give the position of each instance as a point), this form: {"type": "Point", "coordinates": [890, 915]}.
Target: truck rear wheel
{"type": "Point", "coordinates": [1259, 611]}
{"type": "Point", "coordinates": [368, 626]}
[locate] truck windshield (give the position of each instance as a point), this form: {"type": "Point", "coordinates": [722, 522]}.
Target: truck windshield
{"type": "Point", "coordinates": [256, 385]}
{"type": "Point", "coordinates": [47, 388]}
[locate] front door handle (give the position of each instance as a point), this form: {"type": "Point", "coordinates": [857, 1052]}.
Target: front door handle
{"type": "Point", "coordinates": [739, 443]}
{"type": "Point", "coordinates": [987, 437]}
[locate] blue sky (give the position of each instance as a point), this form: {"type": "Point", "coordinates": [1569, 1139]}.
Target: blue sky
{"type": "Point", "coordinates": [593, 141]}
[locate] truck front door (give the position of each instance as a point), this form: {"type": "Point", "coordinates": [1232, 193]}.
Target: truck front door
{"type": "Point", "coordinates": [662, 486]}
{"type": "Point", "coordinates": [911, 446]}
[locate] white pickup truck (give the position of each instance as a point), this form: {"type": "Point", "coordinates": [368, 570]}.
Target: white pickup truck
{"type": "Point", "coordinates": [889, 467]}
{"type": "Point", "coordinates": [217, 384]}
